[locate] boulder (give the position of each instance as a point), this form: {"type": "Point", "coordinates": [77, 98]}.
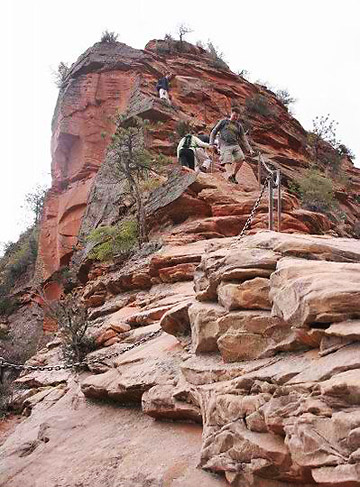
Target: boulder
{"type": "Point", "coordinates": [305, 292]}
{"type": "Point", "coordinates": [176, 321]}
{"type": "Point", "coordinates": [162, 402]}
{"type": "Point", "coordinates": [250, 294]}
{"type": "Point", "coordinates": [205, 331]}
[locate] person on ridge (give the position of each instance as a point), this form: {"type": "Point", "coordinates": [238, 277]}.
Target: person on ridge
{"type": "Point", "coordinates": [186, 150]}
{"type": "Point", "coordinates": [230, 132]}
{"type": "Point", "coordinates": [163, 87]}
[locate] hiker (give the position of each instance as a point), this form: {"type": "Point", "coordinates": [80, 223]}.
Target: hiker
{"type": "Point", "coordinates": [202, 156]}
{"type": "Point", "coordinates": [163, 87]}
{"type": "Point", "coordinates": [230, 131]}
{"type": "Point", "coordinates": [186, 150]}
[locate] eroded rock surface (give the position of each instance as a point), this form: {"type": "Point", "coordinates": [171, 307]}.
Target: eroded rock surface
{"type": "Point", "coordinates": [272, 376]}
{"type": "Point", "coordinates": [256, 340]}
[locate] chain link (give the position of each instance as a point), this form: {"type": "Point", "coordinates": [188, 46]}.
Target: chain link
{"type": "Point", "coordinates": [252, 213]}
{"type": "Point", "coordinates": [84, 363]}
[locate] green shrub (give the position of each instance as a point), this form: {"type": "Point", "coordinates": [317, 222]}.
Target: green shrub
{"type": "Point", "coordinates": [109, 37]}
{"type": "Point", "coordinates": [23, 257]}
{"type": "Point", "coordinates": [259, 104]}
{"type": "Point", "coordinates": [183, 128]}
{"type": "Point", "coordinates": [112, 240]}
{"type": "Point", "coordinates": [285, 98]}
{"type": "Point", "coordinates": [7, 305]}
{"type": "Point", "coordinates": [6, 393]}
{"type": "Point", "coordinates": [293, 187]}
{"type": "Point", "coordinates": [316, 192]}
{"type": "Point", "coordinates": [18, 259]}
{"type": "Point", "coordinates": [150, 184]}
{"type": "Point", "coordinates": [216, 56]}
{"type": "Point", "coordinates": [72, 318]}
{"type": "Point", "coordinates": [61, 74]}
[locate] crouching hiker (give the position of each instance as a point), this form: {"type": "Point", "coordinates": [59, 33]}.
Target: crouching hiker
{"type": "Point", "coordinates": [163, 87]}
{"type": "Point", "coordinates": [186, 150]}
{"type": "Point", "coordinates": [231, 132]}
{"type": "Point", "coordinates": [202, 157]}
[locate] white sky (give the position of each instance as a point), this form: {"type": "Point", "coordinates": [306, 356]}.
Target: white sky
{"type": "Point", "coordinates": [310, 47]}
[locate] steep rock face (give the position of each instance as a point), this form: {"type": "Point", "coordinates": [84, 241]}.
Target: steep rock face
{"type": "Point", "coordinates": [115, 78]}
{"type": "Point", "coordinates": [249, 353]}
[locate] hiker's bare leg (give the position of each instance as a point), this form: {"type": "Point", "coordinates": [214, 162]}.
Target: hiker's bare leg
{"type": "Point", "coordinates": [237, 168]}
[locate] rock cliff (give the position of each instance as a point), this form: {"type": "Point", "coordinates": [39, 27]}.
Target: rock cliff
{"type": "Point", "coordinates": [112, 78]}
{"type": "Point", "coordinates": [219, 361]}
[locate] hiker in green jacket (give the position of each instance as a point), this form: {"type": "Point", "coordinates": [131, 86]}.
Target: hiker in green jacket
{"type": "Point", "coordinates": [231, 132]}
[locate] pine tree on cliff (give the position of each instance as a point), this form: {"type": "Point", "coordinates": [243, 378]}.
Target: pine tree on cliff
{"type": "Point", "coordinates": [132, 162]}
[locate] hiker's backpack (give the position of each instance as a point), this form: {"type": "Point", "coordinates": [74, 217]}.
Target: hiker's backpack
{"type": "Point", "coordinates": [187, 141]}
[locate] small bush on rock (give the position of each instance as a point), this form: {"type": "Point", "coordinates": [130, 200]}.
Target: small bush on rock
{"type": "Point", "coordinates": [216, 56]}
{"type": "Point", "coordinates": [61, 74]}
{"type": "Point", "coordinates": [259, 104]}
{"type": "Point", "coordinates": [345, 151]}
{"type": "Point", "coordinates": [183, 128]}
{"type": "Point", "coordinates": [285, 98]}
{"type": "Point", "coordinates": [316, 192]}
{"type": "Point", "coordinates": [72, 318]}
{"type": "Point", "coordinates": [109, 37]}
{"type": "Point", "coordinates": [113, 240]}
{"type": "Point", "coordinates": [18, 259]}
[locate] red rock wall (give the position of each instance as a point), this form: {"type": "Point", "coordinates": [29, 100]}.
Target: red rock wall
{"type": "Point", "coordinates": [78, 149]}
{"type": "Point", "coordinates": [110, 78]}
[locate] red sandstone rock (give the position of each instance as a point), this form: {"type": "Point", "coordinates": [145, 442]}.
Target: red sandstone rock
{"type": "Point", "coordinates": [98, 86]}
{"type": "Point", "coordinates": [104, 337]}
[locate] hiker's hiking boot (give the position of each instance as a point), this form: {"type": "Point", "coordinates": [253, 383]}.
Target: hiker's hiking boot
{"type": "Point", "coordinates": [203, 169]}
{"type": "Point", "coordinates": [232, 179]}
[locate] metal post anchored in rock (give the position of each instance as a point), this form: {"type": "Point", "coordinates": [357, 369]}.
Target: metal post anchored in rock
{"type": "Point", "coordinates": [272, 181]}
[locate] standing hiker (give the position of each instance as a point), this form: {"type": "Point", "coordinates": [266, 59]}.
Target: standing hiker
{"type": "Point", "coordinates": [163, 87]}
{"type": "Point", "coordinates": [230, 132]}
{"type": "Point", "coordinates": [186, 150]}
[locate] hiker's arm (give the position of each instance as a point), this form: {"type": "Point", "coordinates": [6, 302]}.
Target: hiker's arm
{"type": "Point", "coordinates": [200, 143]}
{"type": "Point", "coordinates": [244, 140]}
{"type": "Point", "coordinates": [214, 131]}
{"type": "Point", "coordinates": [178, 148]}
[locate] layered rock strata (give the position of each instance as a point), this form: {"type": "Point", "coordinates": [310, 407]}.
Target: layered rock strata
{"type": "Point", "coordinates": [257, 347]}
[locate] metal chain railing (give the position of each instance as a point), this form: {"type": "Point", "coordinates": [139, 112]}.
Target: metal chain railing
{"type": "Point", "coordinates": [269, 181]}
{"type": "Point", "coordinates": [84, 363]}
{"type": "Point", "coordinates": [254, 208]}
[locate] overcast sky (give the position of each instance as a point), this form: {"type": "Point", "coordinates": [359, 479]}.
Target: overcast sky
{"type": "Point", "coordinates": [310, 47]}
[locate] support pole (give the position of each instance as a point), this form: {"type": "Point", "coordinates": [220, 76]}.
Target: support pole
{"type": "Point", "coordinates": [278, 177]}
{"type": "Point", "coordinates": [271, 204]}
{"type": "Point", "coordinates": [259, 171]}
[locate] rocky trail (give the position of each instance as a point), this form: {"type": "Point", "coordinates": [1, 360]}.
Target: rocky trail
{"type": "Point", "coordinates": [260, 346]}
{"type": "Point", "coordinates": [248, 368]}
